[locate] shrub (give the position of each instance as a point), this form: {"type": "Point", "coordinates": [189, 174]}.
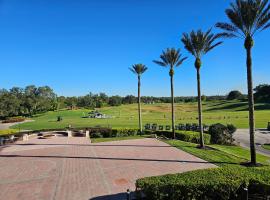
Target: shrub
{"type": "Point", "coordinates": [221, 134]}
{"type": "Point", "coordinates": [59, 118]}
{"type": "Point", "coordinates": [125, 132]}
{"type": "Point", "coordinates": [193, 137]}
{"type": "Point", "coordinates": [8, 132]}
{"type": "Point", "coordinates": [268, 127]}
{"type": "Point", "coordinates": [218, 183]}
{"type": "Point", "coordinates": [187, 136]}
{"type": "Point", "coordinates": [96, 135]}
{"type": "Point", "coordinates": [13, 120]}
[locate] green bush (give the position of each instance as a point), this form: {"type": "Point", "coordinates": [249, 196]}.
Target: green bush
{"type": "Point", "coordinates": [96, 135]}
{"type": "Point", "coordinates": [194, 137]}
{"type": "Point", "coordinates": [218, 183]}
{"type": "Point", "coordinates": [221, 134]}
{"type": "Point", "coordinates": [124, 132]}
{"type": "Point", "coordinates": [268, 127]}
{"type": "Point", "coordinates": [187, 136]}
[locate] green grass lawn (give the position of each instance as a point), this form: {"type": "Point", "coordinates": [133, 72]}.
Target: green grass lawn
{"type": "Point", "coordinates": [125, 116]}
{"type": "Point", "coordinates": [221, 155]}
{"type": "Point", "coordinates": [266, 146]}
{"type": "Point", "coordinates": [98, 140]}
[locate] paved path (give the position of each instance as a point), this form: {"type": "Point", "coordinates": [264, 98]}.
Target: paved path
{"type": "Point", "coordinates": [4, 126]}
{"type": "Point", "coordinates": [261, 137]}
{"type": "Point", "coordinates": [63, 168]}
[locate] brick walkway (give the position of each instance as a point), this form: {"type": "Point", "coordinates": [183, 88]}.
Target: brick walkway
{"type": "Point", "coordinates": [63, 168]}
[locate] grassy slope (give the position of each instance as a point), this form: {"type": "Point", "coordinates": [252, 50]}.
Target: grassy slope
{"type": "Point", "coordinates": [125, 116]}
{"type": "Point", "coordinates": [220, 155]}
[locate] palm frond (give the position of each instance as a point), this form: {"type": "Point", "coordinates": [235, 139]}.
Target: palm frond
{"type": "Point", "coordinates": [247, 17]}
{"type": "Point", "coordinates": [138, 69]}
{"type": "Point", "coordinates": [199, 43]}
{"type": "Point", "coordinates": [170, 57]}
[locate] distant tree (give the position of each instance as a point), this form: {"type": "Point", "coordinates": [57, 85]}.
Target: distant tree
{"type": "Point", "coordinates": [129, 99]}
{"type": "Point", "coordinates": [248, 17]}
{"type": "Point", "coordinates": [235, 94]}
{"type": "Point", "coordinates": [198, 44]}
{"type": "Point", "coordinates": [204, 98]}
{"type": "Point", "coordinates": [171, 58]}
{"type": "Point", "coordinates": [139, 70]}
{"type": "Point", "coordinates": [115, 101]}
{"type": "Point", "coordinates": [262, 93]}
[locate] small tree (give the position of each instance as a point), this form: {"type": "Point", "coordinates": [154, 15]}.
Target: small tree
{"type": "Point", "coordinates": [233, 95]}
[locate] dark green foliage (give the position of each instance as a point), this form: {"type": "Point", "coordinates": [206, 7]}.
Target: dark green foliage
{"type": "Point", "coordinates": [262, 93]}
{"type": "Point", "coordinates": [26, 102]}
{"type": "Point", "coordinates": [193, 137]}
{"type": "Point", "coordinates": [268, 126]}
{"type": "Point", "coordinates": [188, 136]}
{"type": "Point", "coordinates": [115, 101]}
{"type": "Point", "coordinates": [59, 118]}
{"type": "Point", "coordinates": [107, 133]}
{"type": "Point", "coordinates": [220, 183]}
{"type": "Point", "coordinates": [221, 134]}
{"type": "Point", "coordinates": [96, 135]}
{"type": "Point", "coordinates": [235, 95]}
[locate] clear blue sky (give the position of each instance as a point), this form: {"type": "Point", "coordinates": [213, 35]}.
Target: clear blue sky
{"type": "Point", "coordinates": [87, 45]}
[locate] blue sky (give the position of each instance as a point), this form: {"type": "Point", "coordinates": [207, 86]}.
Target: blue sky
{"type": "Point", "coordinates": [87, 45]}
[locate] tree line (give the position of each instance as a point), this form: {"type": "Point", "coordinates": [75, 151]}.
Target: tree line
{"type": "Point", "coordinates": [32, 100]}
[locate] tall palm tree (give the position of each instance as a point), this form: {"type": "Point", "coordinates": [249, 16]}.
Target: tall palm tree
{"type": "Point", "coordinates": [171, 58]}
{"type": "Point", "coordinates": [248, 17]}
{"type": "Point", "coordinates": [139, 69]}
{"type": "Point", "coordinates": [198, 44]}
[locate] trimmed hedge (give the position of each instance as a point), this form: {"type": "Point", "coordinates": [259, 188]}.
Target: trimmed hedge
{"type": "Point", "coordinates": [14, 119]}
{"type": "Point", "coordinates": [187, 136]}
{"type": "Point", "coordinates": [218, 183]}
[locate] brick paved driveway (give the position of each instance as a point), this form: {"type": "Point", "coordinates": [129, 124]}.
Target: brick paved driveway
{"type": "Point", "coordinates": [73, 169]}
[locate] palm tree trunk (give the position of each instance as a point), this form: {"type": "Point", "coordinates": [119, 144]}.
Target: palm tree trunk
{"type": "Point", "coordinates": [251, 108]}
{"type": "Point", "coordinates": [139, 104]}
{"type": "Point", "coordinates": [172, 101]}
{"type": "Point", "coordinates": [200, 107]}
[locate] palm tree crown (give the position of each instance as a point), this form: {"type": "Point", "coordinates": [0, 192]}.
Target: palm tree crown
{"type": "Point", "coordinates": [247, 17]}
{"type": "Point", "coordinates": [199, 43]}
{"type": "Point", "coordinates": [138, 69]}
{"type": "Point", "coordinates": [171, 57]}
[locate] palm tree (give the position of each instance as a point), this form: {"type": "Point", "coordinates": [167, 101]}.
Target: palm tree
{"type": "Point", "coordinates": [247, 18]}
{"type": "Point", "coordinates": [139, 69]}
{"type": "Point", "coordinates": [198, 44]}
{"type": "Point", "coordinates": [171, 58]}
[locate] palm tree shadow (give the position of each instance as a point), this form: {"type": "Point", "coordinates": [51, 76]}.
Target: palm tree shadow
{"type": "Point", "coordinates": [117, 159]}
{"type": "Point", "coordinates": [119, 196]}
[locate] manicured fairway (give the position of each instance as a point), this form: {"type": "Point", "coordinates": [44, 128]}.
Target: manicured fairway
{"type": "Point", "coordinates": [125, 116]}
{"type": "Point", "coordinates": [266, 146]}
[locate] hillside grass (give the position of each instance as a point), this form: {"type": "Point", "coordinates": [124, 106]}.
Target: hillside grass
{"type": "Point", "coordinates": [125, 116]}
{"type": "Point", "coordinates": [220, 155]}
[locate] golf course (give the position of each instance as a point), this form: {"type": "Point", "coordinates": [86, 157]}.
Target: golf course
{"type": "Point", "coordinates": [125, 116]}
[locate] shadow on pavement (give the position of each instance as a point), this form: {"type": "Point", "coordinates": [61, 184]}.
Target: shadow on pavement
{"type": "Point", "coordinates": [120, 196]}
